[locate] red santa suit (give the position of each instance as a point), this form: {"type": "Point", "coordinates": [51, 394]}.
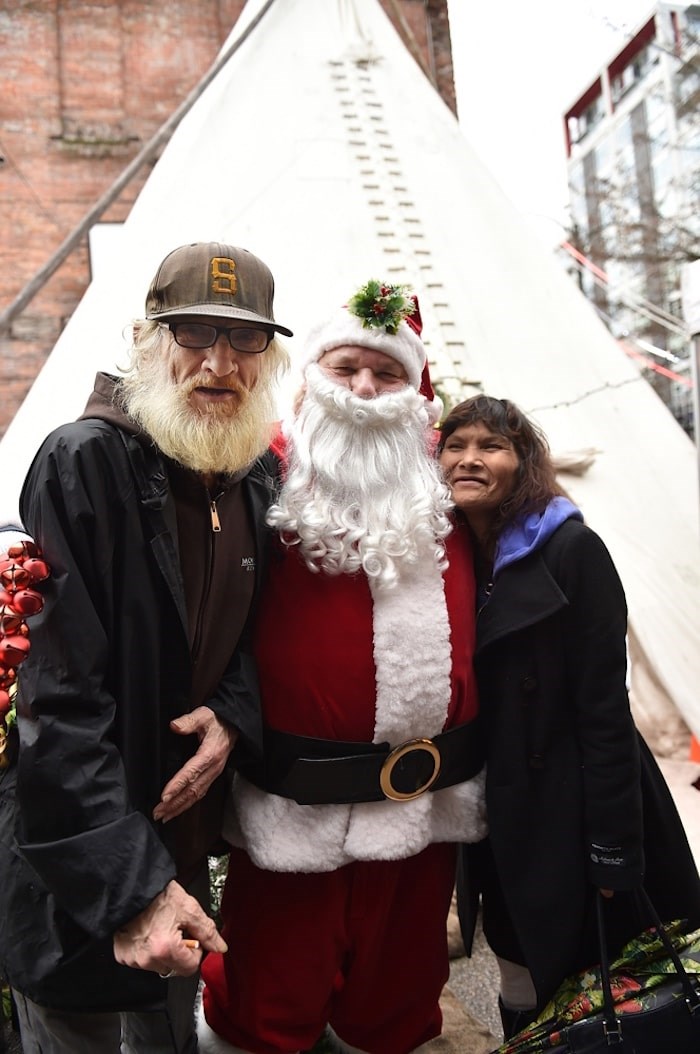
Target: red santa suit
{"type": "Point", "coordinates": [312, 888]}
{"type": "Point", "coordinates": [336, 913]}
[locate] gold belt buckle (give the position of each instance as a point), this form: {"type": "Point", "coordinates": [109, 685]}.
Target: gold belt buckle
{"type": "Point", "coordinates": [395, 756]}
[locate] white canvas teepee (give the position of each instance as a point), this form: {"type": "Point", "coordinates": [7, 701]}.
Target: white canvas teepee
{"type": "Point", "coordinates": [323, 149]}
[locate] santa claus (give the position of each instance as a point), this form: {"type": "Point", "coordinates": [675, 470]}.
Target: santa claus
{"type": "Point", "coordinates": [343, 834]}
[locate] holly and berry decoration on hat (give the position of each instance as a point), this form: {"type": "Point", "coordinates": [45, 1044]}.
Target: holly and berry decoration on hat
{"type": "Point", "coordinates": [21, 568]}
{"type": "Point", "coordinates": [382, 306]}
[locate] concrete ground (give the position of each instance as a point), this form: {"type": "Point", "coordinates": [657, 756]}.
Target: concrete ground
{"type": "Point", "coordinates": [474, 984]}
{"type": "Point", "coordinates": [471, 1023]}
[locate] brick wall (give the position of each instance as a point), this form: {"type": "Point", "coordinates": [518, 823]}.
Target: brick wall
{"type": "Point", "coordinates": [83, 86]}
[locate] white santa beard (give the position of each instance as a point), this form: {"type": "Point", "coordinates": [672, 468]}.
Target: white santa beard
{"type": "Point", "coordinates": [362, 490]}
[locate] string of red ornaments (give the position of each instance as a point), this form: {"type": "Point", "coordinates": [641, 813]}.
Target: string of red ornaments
{"type": "Point", "coordinates": [22, 567]}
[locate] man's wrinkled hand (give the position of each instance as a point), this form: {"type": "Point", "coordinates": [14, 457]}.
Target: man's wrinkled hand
{"type": "Point", "coordinates": [193, 780]}
{"type": "Point", "coordinates": [169, 936]}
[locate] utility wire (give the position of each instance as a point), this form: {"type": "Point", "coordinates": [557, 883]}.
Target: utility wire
{"type": "Point", "coordinates": [587, 394]}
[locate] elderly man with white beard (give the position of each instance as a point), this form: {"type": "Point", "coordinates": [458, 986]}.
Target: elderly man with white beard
{"type": "Point", "coordinates": [150, 511]}
{"type": "Point", "coordinates": [343, 835]}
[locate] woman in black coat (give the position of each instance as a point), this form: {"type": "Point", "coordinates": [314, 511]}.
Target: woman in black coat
{"type": "Point", "coordinates": [575, 800]}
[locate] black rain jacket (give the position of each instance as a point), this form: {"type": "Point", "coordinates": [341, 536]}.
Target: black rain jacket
{"type": "Point", "coordinates": [108, 670]}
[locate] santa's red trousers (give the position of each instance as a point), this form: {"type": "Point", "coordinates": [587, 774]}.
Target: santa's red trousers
{"type": "Point", "coordinates": [363, 948]}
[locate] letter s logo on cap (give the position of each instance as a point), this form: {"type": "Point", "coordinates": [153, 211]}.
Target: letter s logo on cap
{"type": "Point", "coordinates": [223, 275]}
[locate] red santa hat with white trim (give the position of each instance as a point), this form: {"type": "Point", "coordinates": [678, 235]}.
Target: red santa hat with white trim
{"type": "Point", "coordinates": [384, 318]}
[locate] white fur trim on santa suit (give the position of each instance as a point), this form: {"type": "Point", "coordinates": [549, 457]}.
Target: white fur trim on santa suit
{"type": "Point", "coordinates": [412, 654]}
{"type": "Point", "coordinates": [344, 328]}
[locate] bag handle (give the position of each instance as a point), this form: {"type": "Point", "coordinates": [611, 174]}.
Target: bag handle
{"type": "Point", "coordinates": [611, 1022]}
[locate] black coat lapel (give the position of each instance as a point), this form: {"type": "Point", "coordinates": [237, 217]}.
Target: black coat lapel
{"type": "Point", "coordinates": [523, 594]}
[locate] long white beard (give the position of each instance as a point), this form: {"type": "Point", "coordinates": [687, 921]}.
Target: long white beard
{"type": "Point", "coordinates": [363, 490]}
{"type": "Point", "coordinates": [224, 440]}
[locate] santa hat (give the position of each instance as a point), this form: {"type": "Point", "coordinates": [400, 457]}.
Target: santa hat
{"type": "Point", "coordinates": [384, 318]}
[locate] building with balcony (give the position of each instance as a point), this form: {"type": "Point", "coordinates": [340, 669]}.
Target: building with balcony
{"type": "Point", "coordinates": [633, 145]}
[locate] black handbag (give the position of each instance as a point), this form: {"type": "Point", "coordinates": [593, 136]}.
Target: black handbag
{"type": "Point", "coordinates": [645, 1002]}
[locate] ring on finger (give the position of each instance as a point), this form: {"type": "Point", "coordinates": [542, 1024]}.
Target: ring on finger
{"type": "Point", "coordinates": [168, 975]}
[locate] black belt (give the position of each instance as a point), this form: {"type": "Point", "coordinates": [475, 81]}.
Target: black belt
{"type": "Point", "coordinates": [329, 772]}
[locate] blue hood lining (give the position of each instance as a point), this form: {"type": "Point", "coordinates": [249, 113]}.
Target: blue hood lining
{"type": "Point", "coordinates": [529, 533]}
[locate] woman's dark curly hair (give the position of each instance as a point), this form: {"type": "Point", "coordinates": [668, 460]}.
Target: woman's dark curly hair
{"type": "Point", "coordinates": [536, 480]}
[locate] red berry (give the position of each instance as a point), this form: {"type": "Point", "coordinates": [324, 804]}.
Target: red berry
{"type": "Point", "coordinates": [22, 549]}
{"type": "Point", "coordinates": [14, 577]}
{"type": "Point", "coordinates": [10, 621]}
{"type": "Point", "coordinates": [13, 650]}
{"type": "Point", "coordinates": [26, 601]}
{"type": "Point", "coordinates": [38, 569]}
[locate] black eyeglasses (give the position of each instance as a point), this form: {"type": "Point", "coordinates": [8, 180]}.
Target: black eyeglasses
{"type": "Point", "coordinates": [200, 335]}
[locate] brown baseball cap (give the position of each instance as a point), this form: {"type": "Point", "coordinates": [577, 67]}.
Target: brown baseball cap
{"type": "Point", "coordinates": [207, 278]}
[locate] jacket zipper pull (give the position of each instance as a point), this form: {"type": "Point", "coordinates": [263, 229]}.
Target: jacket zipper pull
{"type": "Point", "coordinates": [215, 521]}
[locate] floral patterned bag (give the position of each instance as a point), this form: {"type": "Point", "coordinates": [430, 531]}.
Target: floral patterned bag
{"type": "Point", "coordinates": [645, 1002]}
